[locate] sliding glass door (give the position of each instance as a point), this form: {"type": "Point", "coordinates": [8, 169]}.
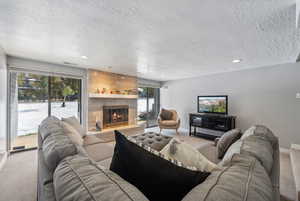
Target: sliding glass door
{"type": "Point", "coordinates": [65, 97]}
{"type": "Point", "coordinates": [33, 97]}
{"type": "Point", "coordinates": [28, 106]}
{"type": "Point", "coordinates": [148, 105]}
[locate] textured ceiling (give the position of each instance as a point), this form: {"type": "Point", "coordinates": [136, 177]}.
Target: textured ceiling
{"type": "Point", "coordinates": [156, 39]}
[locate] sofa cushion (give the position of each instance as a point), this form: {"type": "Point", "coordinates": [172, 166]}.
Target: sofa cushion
{"type": "Point", "coordinates": [262, 132]}
{"type": "Point", "coordinates": [187, 155]}
{"type": "Point", "coordinates": [105, 163]}
{"type": "Point", "coordinates": [48, 192]}
{"type": "Point", "coordinates": [235, 148]}
{"type": "Point", "coordinates": [169, 122]}
{"type": "Point", "coordinates": [100, 151]}
{"type": "Point", "coordinates": [50, 125]}
{"type": "Point", "coordinates": [257, 141]}
{"type": "Point", "coordinates": [148, 170]}
{"type": "Point", "coordinates": [166, 114]}
{"type": "Point", "coordinates": [73, 121]}
{"type": "Point", "coordinates": [154, 140]}
{"type": "Point", "coordinates": [72, 133]}
{"type": "Point", "coordinates": [78, 178]}
{"type": "Point", "coordinates": [261, 149]}
{"type": "Point", "coordinates": [56, 147]}
{"type": "Point", "coordinates": [227, 140]}
{"type": "Point", "coordinates": [242, 178]}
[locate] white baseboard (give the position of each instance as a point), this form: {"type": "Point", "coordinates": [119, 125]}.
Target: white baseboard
{"type": "Point", "coordinates": [184, 130]}
{"type": "Point", "coordinates": [3, 160]}
{"type": "Point", "coordinates": [284, 150]}
{"type": "Point", "coordinates": [295, 146]}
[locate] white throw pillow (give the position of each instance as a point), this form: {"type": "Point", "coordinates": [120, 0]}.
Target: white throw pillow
{"type": "Point", "coordinates": [72, 133]}
{"type": "Point", "coordinates": [188, 155]}
{"type": "Point", "coordinates": [73, 121]}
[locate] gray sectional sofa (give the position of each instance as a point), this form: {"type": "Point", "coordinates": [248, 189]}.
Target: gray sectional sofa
{"type": "Point", "coordinates": [66, 171]}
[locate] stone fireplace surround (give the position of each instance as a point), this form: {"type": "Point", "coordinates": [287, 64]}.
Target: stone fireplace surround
{"type": "Point", "coordinates": [99, 82]}
{"type": "Point", "coordinates": [95, 108]}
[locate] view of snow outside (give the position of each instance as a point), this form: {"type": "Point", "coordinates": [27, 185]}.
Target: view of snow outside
{"type": "Point", "coordinates": [30, 115]}
{"type": "Point", "coordinates": [142, 105]}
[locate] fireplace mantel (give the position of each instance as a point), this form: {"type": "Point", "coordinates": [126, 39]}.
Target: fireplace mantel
{"type": "Point", "coordinates": [117, 96]}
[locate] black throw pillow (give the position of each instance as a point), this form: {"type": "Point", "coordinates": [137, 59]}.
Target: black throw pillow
{"type": "Point", "coordinates": [157, 178]}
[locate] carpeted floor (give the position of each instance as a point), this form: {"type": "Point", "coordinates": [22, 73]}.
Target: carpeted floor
{"type": "Point", "coordinates": [287, 184]}
{"type": "Point", "coordinates": [19, 176]}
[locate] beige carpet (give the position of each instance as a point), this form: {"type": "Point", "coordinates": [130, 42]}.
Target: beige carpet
{"type": "Point", "coordinates": [287, 184]}
{"type": "Point", "coordinates": [19, 176]}
{"type": "Point", "coordinates": [110, 136]}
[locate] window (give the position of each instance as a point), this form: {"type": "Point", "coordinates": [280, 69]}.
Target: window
{"type": "Point", "coordinates": [148, 105]}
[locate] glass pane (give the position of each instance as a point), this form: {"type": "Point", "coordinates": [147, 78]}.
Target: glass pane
{"type": "Point", "coordinates": [65, 97]}
{"type": "Point", "coordinates": [28, 106]}
{"type": "Point", "coordinates": [142, 105]}
{"type": "Point", "coordinates": [153, 105]}
{"type": "Point", "coordinates": [148, 105]}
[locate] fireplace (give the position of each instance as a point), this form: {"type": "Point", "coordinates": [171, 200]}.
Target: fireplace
{"type": "Point", "coordinates": [115, 116]}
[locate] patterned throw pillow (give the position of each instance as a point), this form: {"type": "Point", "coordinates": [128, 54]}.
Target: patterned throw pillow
{"type": "Point", "coordinates": [188, 155]}
{"type": "Point", "coordinates": [156, 176]}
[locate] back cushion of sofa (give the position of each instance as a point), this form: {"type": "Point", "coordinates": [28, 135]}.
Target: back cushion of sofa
{"type": "Point", "coordinates": [262, 132]}
{"type": "Point", "coordinates": [259, 148]}
{"type": "Point", "coordinates": [78, 178]}
{"type": "Point", "coordinates": [242, 178]}
{"type": "Point", "coordinates": [258, 141]}
{"type": "Point", "coordinates": [49, 125]}
{"type": "Point", "coordinates": [56, 147]}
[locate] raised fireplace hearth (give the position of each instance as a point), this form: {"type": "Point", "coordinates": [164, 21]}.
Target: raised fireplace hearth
{"type": "Point", "coordinates": [116, 115]}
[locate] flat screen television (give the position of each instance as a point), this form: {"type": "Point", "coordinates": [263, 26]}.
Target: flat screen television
{"type": "Point", "coordinates": [213, 104]}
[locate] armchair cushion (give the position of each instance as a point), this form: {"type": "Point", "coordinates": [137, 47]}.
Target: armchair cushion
{"type": "Point", "coordinates": [169, 123]}
{"type": "Point", "coordinates": [166, 114]}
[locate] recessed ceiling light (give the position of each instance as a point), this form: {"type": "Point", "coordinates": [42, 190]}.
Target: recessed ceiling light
{"type": "Point", "coordinates": [84, 57]}
{"type": "Point", "coordinates": [236, 61]}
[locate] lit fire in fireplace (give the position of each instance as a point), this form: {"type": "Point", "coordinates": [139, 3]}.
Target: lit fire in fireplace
{"type": "Point", "coordinates": [116, 116]}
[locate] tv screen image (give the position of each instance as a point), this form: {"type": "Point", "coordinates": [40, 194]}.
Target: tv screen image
{"type": "Point", "coordinates": [212, 104]}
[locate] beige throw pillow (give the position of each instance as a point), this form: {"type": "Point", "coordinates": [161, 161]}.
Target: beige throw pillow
{"type": "Point", "coordinates": [72, 133]}
{"type": "Point", "coordinates": [73, 121]}
{"type": "Point", "coordinates": [188, 155]}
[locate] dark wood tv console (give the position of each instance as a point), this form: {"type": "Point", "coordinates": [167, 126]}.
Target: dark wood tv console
{"type": "Point", "coordinates": [210, 126]}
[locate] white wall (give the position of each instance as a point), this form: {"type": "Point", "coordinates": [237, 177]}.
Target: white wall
{"type": "Point", "coordinates": [258, 96]}
{"type": "Point", "coordinates": [3, 100]}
